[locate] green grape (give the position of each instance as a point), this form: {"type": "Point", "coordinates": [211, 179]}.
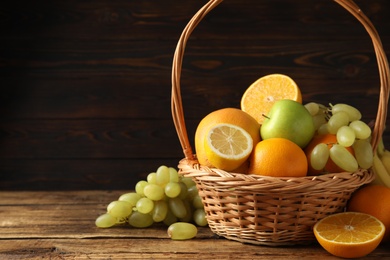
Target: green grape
{"type": "Point", "coordinates": [173, 175]}
{"type": "Point", "coordinates": [105, 221]}
{"type": "Point", "coordinates": [160, 210]}
{"type": "Point", "coordinates": [154, 192]}
{"type": "Point", "coordinates": [140, 220]}
{"type": "Point", "coordinates": [188, 216]}
{"type": "Point", "coordinates": [192, 192]}
{"type": "Point", "coordinates": [164, 196]}
{"type": "Point", "coordinates": [170, 218]}
{"type": "Point", "coordinates": [319, 156]}
{"type": "Point", "coordinates": [345, 136]}
{"type": "Point", "coordinates": [353, 113]}
{"type": "Point", "coordinates": [152, 178]}
{"type": "Point", "coordinates": [163, 175]}
{"type": "Point", "coordinates": [119, 209]}
{"type": "Point", "coordinates": [199, 217]}
{"type": "Point", "coordinates": [197, 202]}
{"type": "Point", "coordinates": [363, 153]}
{"type": "Point", "coordinates": [319, 120]}
{"type": "Point", "coordinates": [361, 129]}
{"type": "Point", "coordinates": [183, 191]}
{"type": "Point", "coordinates": [336, 121]}
{"type": "Point", "coordinates": [139, 187]}
{"type": "Point", "coordinates": [131, 197]}
{"type": "Point", "coordinates": [343, 158]}
{"type": "Point", "coordinates": [172, 189]}
{"type": "Point", "coordinates": [176, 205]}
{"type": "Point", "coordinates": [323, 129]}
{"type": "Point", "coordinates": [313, 108]}
{"type": "Point", "coordinates": [188, 181]}
{"type": "Point", "coordinates": [182, 231]}
{"type": "Point", "coordinates": [145, 205]}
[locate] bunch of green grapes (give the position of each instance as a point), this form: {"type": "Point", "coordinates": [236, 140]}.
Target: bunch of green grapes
{"type": "Point", "coordinates": [345, 122]}
{"type": "Point", "coordinates": [164, 197]}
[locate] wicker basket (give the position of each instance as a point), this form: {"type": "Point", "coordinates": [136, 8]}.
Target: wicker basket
{"type": "Point", "coordinates": [267, 210]}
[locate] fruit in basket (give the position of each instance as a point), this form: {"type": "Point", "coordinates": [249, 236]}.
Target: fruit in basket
{"type": "Point", "coordinates": [361, 129]}
{"type": "Point", "coordinates": [345, 136]}
{"type": "Point", "coordinates": [232, 116]}
{"type": "Point", "coordinates": [319, 156]}
{"type": "Point", "coordinates": [330, 166]}
{"type": "Point", "coordinates": [227, 146]}
{"type": "Point", "coordinates": [363, 153]}
{"type": "Point", "coordinates": [260, 96]}
{"type": "Point", "coordinates": [341, 123]}
{"type": "Point", "coordinates": [373, 200]}
{"type": "Point", "coordinates": [341, 119]}
{"type": "Point", "coordinates": [318, 112]}
{"type": "Point", "coordinates": [349, 234]}
{"type": "Point", "coordinates": [288, 119]}
{"type": "Point", "coordinates": [278, 157]}
{"type": "Point", "coordinates": [243, 168]}
{"type": "Point", "coordinates": [343, 158]}
{"type": "Point", "coordinates": [352, 112]}
{"type": "Point", "coordinates": [381, 165]}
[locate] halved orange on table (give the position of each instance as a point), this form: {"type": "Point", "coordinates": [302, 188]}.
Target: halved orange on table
{"type": "Point", "coordinates": [259, 97]}
{"type": "Point", "coordinates": [349, 234]}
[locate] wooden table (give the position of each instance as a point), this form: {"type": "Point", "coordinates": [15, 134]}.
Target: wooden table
{"type": "Point", "coordinates": [60, 225]}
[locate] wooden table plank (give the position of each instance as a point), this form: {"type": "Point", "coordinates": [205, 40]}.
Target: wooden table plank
{"type": "Point", "coordinates": [160, 248]}
{"type": "Point", "coordinates": [60, 225]}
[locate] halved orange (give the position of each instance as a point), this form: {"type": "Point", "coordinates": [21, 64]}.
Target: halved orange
{"type": "Point", "coordinates": [349, 234]}
{"type": "Point", "coordinates": [259, 97]}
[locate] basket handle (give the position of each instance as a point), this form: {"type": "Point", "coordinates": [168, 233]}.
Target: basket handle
{"type": "Point", "coordinates": [349, 5]}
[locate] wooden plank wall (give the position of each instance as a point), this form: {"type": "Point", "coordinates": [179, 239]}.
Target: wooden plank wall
{"type": "Point", "coordinates": [85, 85]}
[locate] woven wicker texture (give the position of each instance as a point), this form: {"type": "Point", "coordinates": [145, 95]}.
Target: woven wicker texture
{"type": "Point", "coordinates": [266, 210]}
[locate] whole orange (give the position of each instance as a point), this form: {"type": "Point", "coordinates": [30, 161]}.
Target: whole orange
{"type": "Point", "coordinates": [373, 200]}
{"type": "Point", "coordinates": [232, 116]}
{"type": "Point", "coordinates": [330, 140]}
{"type": "Point", "coordinates": [243, 168]}
{"type": "Point", "coordinates": [278, 157]}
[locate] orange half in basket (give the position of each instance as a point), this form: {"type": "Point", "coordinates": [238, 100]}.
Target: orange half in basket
{"type": "Point", "coordinates": [262, 94]}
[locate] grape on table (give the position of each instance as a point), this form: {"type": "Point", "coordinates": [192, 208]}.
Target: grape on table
{"type": "Point", "coordinates": [164, 197]}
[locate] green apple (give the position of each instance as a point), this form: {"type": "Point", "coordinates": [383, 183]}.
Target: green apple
{"type": "Point", "coordinates": [288, 119]}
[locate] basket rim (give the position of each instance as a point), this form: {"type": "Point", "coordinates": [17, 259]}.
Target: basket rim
{"type": "Point", "coordinates": [252, 182]}
{"type": "Point", "coordinates": [349, 5]}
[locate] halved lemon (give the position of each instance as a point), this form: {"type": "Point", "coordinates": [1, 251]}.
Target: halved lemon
{"type": "Point", "coordinates": [349, 234]}
{"type": "Point", "coordinates": [227, 146]}
{"type": "Point", "coordinates": [259, 97]}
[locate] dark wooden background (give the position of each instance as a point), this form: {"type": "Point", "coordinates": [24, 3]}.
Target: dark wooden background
{"type": "Point", "coordinates": [85, 85]}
